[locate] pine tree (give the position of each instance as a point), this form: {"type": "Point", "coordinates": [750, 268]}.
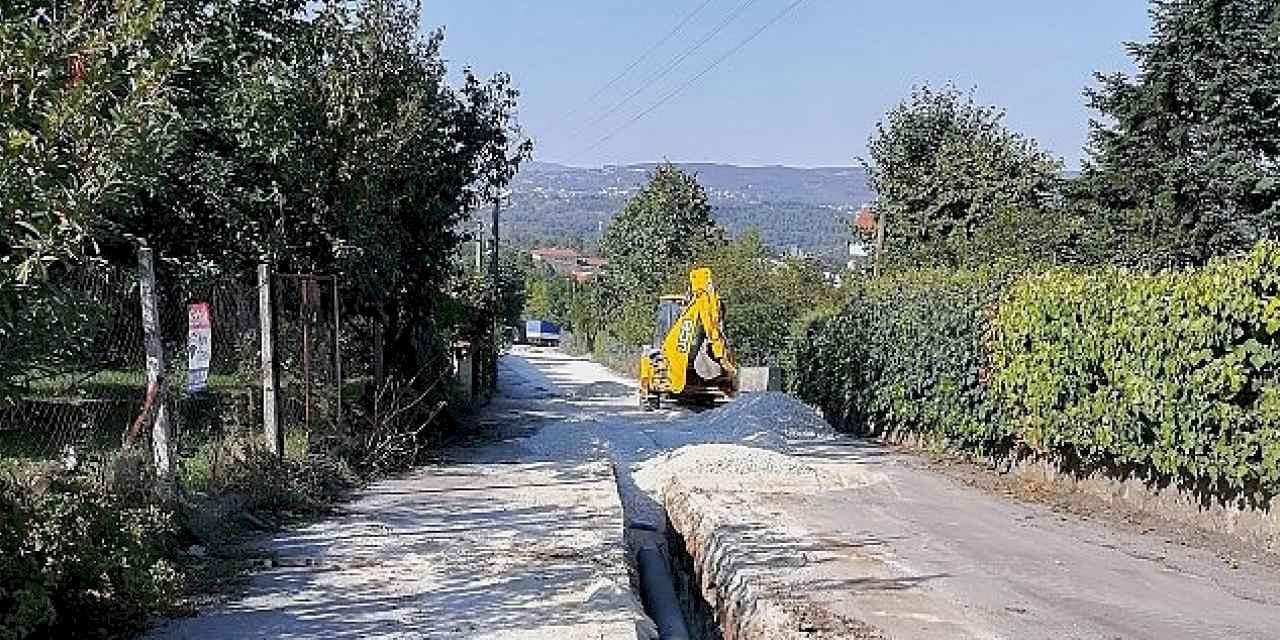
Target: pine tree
{"type": "Point", "coordinates": [1186, 164]}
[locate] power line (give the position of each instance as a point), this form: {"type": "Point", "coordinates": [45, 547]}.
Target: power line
{"type": "Point", "coordinates": [634, 63]}
{"type": "Point", "coordinates": [674, 92]}
{"type": "Point", "coordinates": [671, 64]}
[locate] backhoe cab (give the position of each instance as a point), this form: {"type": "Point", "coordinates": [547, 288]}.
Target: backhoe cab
{"type": "Point", "coordinates": [690, 360]}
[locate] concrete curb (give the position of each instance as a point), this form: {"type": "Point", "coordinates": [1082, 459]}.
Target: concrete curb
{"type": "Point", "coordinates": [1254, 527]}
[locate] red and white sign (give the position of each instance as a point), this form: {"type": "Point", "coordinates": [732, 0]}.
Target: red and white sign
{"type": "Point", "coordinates": [199, 346]}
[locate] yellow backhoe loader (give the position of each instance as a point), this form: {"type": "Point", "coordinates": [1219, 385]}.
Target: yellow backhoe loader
{"type": "Point", "coordinates": [690, 360]}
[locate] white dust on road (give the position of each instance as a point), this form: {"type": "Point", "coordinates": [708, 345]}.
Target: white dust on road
{"type": "Point", "coordinates": [744, 445]}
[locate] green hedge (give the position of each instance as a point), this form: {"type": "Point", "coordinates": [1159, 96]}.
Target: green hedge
{"type": "Point", "coordinates": [904, 355]}
{"type": "Point", "coordinates": [1173, 375]}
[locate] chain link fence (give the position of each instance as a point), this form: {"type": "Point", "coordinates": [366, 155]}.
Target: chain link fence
{"type": "Point", "coordinates": [83, 388]}
{"type": "Point", "coordinates": [84, 384]}
{"type": "Point", "coordinates": [76, 367]}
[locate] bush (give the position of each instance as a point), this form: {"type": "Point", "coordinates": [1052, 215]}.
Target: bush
{"type": "Point", "coordinates": [298, 482]}
{"type": "Point", "coordinates": [1172, 376]}
{"type": "Point", "coordinates": [1174, 373]}
{"type": "Point", "coordinates": [904, 355]}
{"type": "Point", "coordinates": [576, 344]}
{"type": "Point", "coordinates": [617, 355]}
{"type": "Point", "coordinates": [75, 553]}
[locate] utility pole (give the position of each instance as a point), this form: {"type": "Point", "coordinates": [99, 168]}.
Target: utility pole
{"type": "Point", "coordinates": [881, 220]}
{"type": "Point", "coordinates": [496, 289]}
{"type": "Point", "coordinates": [493, 270]}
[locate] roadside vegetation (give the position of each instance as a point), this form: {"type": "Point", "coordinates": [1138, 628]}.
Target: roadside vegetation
{"type": "Point", "coordinates": [318, 137]}
{"type": "Point", "coordinates": [664, 231]}
{"type": "Point", "coordinates": [1124, 320]}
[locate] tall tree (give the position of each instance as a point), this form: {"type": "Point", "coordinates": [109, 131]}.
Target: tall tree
{"type": "Point", "coordinates": [549, 296]}
{"type": "Point", "coordinates": [354, 156]}
{"type": "Point", "coordinates": [206, 218]}
{"type": "Point", "coordinates": [87, 117]}
{"type": "Point", "coordinates": [947, 171]}
{"type": "Point", "coordinates": [322, 136]}
{"type": "Point", "coordinates": [1186, 162]}
{"type": "Point", "coordinates": [583, 314]}
{"type": "Point", "coordinates": [663, 227]}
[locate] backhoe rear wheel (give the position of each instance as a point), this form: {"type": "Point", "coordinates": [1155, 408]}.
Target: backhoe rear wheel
{"type": "Point", "coordinates": [650, 402]}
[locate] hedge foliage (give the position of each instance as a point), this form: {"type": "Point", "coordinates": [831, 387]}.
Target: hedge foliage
{"type": "Point", "coordinates": [1175, 372]}
{"type": "Point", "coordinates": [903, 355]}
{"type": "Point", "coordinates": [1173, 375]}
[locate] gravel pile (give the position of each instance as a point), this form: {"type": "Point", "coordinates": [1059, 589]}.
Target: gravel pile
{"type": "Point", "coordinates": [746, 464]}
{"type": "Point", "coordinates": [754, 414]}
{"type": "Point", "coordinates": [761, 420]}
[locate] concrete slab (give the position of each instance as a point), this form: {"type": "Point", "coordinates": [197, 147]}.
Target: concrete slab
{"type": "Point", "coordinates": [530, 551]}
{"type": "Point", "coordinates": [757, 379]}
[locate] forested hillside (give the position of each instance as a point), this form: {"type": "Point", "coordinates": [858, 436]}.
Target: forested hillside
{"type": "Point", "coordinates": [794, 208]}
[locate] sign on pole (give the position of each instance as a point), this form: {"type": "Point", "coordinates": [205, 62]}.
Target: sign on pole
{"type": "Point", "coordinates": [199, 346]}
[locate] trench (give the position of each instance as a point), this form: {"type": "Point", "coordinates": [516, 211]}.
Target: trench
{"type": "Point", "coordinates": [662, 570]}
{"type": "Point", "coordinates": [699, 615]}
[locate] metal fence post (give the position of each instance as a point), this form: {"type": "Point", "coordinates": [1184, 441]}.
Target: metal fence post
{"type": "Point", "coordinates": [162, 449]}
{"type": "Point", "coordinates": [270, 374]}
{"type": "Point", "coordinates": [305, 310]}
{"type": "Point", "coordinates": [378, 368]}
{"type": "Point", "coordinates": [337, 354]}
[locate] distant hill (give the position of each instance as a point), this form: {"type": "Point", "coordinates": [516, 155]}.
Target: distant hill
{"type": "Point", "coordinates": [795, 209]}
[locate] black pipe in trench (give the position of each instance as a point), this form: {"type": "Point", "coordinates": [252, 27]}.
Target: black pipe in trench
{"type": "Point", "coordinates": [657, 590]}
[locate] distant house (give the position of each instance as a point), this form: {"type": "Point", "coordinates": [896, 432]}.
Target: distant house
{"type": "Point", "coordinates": [569, 263]}
{"type": "Point", "coordinates": [554, 254]}
{"type": "Point", "coordinates": [865, 221]}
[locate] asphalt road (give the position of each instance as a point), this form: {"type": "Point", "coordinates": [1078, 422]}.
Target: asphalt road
{"type": "Point", "coordinates": [1007, 569]}
{"type": "Point", "coordinates": [520, 535]}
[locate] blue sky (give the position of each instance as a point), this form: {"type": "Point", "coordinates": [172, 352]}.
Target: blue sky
{"type": "Point", "coordinates": [808, 91]}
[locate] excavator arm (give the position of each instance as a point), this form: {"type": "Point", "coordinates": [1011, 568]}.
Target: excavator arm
{"type": "Point", "coordinates": [710, 311]}
{"type": "Point", "coordinates": [694, 346]}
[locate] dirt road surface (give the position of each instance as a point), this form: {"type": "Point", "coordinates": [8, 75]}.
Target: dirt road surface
{"type": "Point", "coordinates": [494, 544]}
{"type": "Point", "coordinates": [521, 535]}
